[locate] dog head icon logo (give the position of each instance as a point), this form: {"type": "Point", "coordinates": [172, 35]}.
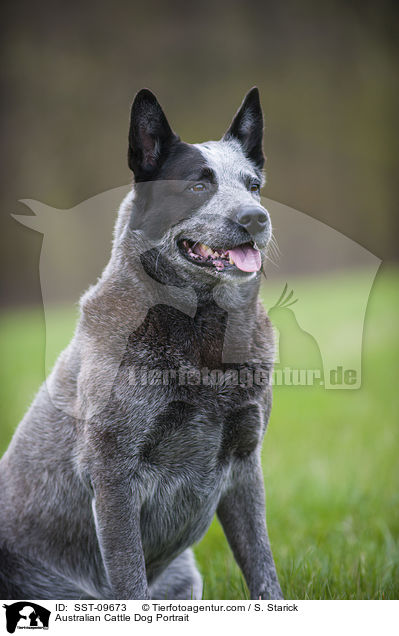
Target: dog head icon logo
{"type": "Point", "coordinates": [27, 615]}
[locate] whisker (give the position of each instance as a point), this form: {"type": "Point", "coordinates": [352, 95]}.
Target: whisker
{"type": "Point", "coordinates": [163, 249]}
{"type": "Point", "coordinates": [271, 260]}
{"type": "Point", "coordinates": [274, 248]}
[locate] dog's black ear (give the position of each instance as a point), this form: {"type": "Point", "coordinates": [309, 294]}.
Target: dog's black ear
{"type": "Point", "coordinates": [150, 136]}
{"type": "Point", "coordinates": [247, 128]}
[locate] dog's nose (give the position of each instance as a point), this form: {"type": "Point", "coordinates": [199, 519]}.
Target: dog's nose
{"type": "Point", "coordinates": [253, 218]}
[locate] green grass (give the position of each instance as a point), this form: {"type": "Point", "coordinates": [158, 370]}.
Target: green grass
{"type": "Point", "coordinates": [331, 460]}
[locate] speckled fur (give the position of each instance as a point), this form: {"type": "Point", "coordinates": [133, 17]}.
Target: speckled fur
{"type": "Point", "coordinates": [108, 483]}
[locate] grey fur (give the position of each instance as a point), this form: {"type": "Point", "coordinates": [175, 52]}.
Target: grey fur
{"type": "Point", "coordinates": [107, 483]}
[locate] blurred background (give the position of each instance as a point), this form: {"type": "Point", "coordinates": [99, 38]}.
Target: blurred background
{"type": "Point", "coordinates": [328, 80]}
{"type": "Point", "coordinates": [327, 73]}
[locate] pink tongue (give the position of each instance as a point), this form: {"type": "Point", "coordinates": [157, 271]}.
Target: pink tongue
{"type": "Point", "coordinates": [246, 258]}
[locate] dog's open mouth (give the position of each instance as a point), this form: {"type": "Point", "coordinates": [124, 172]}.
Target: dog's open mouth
{"type": "Point", "coordinates": [245, 257]}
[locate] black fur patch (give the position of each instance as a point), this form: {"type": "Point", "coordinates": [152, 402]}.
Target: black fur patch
{"type": "Point", "coordinates": [150, 136]}
{"type": "Point", "coordinates": [160, 269]}
{"type": "Point", "coordinates": [241, 432]}
{"type": "Point", "coordinates": [184, 163]}
{"type": "Point", "coordinates": [247, 128]}
{"type": "Point", "coordinates": [166, 198]}
{"type": "Point", "coordinates": [198, 339]}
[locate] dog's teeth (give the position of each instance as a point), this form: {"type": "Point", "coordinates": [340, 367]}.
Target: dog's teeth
{"type": "Point", "coordinates": [231, 260]}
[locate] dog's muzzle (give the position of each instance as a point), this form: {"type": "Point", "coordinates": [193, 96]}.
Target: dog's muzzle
{"type": "Point", "coordinates": [253, 218]}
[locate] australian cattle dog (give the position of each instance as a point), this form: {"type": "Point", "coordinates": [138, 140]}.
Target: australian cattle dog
{"type": "Point", "coordinates": [152, 419]}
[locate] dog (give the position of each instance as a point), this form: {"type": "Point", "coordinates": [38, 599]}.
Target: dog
{"type": "Point", "coordinates": [142, 431]}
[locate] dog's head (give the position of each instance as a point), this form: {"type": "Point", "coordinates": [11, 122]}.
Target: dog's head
{"type": "Point", "coordinates": [199, 204]}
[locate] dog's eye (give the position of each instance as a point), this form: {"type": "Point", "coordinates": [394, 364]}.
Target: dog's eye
{"type": "Point", "coordinates": [198, 187]}
{"type": "Point", "coordinates": [254, 187]}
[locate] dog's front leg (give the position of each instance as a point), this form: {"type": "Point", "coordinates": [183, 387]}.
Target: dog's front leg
{"type": "Point", "coordinates": [241, 511]}
{"type": "Point", "coordinates": [117, 518]}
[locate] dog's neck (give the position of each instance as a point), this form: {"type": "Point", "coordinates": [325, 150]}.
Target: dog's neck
{"type": "Point", "coordinates": [208, 325]}
{"type": "Point", "coordinates": [210, 338]}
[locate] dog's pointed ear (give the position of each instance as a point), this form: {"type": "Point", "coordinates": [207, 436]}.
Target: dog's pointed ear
{"type": "Point", "coordinates": [247, 128]}
{"type": "Point", "coordinates": [150, 136]}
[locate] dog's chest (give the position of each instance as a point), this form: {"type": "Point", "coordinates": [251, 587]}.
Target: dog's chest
{"type": "Point", "coordinates": [201, 411]}
{"type": "Point", "coordinates": [200, 432]}
{"type": "Point", "coordinates": [186, 459]}
{"type": "Point", "coordinates": [197, 426]}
